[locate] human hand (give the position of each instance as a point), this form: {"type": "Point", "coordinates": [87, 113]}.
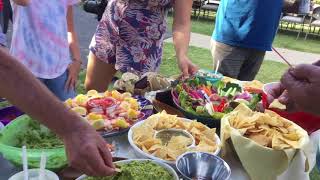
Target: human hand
{"type": "Point", "coordinates": [88, 152]}
{"type": "Point", "coordinates": [277, 91]}
{"type": "Point", "coordinates": [73, 73]}
{"type": "Point", "coordinates": [303, 85]}
{"type": "Point", "coordinates": [187, 67]}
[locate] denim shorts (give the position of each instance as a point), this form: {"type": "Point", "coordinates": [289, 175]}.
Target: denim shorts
{"type": "Point", "coordinates": [57, 86]}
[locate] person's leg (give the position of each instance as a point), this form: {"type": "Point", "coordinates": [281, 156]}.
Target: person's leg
{"type": "Point", "coordinates": [57, 87]}
{"type": "Point", "coordinates": [251, 67]}
{"type": "Point", "coordinates": [230, 59]}
{"type": "Point", "coordinates": [99, 74]}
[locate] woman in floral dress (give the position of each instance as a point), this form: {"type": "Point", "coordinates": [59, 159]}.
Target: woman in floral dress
{"type": "Point", "coordinates": [130, 37]}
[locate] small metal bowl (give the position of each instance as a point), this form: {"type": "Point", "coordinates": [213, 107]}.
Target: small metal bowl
{"type": "Point", "coordinates": [202, 166]}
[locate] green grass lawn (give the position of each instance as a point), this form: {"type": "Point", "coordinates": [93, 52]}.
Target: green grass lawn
{"type": "Point", "coordinates": [269, 72]}
{"type": "Point", "coordinates": [284, 39]}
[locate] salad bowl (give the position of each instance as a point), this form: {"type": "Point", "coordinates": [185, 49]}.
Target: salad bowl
{"type": "Point", "coordinates": [208, 102]}
{"type": "Point", "coordinates": [207, 120]}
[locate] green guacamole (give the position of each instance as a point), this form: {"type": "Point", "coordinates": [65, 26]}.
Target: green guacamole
{"type": "Point", "coordinates": [139, 170]}
{"type": "Point", "coordinates": [38, 136]}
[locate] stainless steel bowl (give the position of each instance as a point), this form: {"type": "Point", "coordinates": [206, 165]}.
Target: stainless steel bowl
{"type": "Point", "coordinates": [202, 166]}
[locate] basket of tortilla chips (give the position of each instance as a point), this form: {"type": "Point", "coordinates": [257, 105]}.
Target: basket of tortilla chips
{"type": "Point", "coordinates": [265, 143]}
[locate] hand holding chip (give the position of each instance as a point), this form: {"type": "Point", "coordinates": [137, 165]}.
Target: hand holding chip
{"type": "Point", "coordinates": [303, 86]}
{"type": "Point", "coordinates": [278, 93]}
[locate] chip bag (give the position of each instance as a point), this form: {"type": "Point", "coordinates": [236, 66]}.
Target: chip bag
{"type": "Point", "coordinates": [265, 143]}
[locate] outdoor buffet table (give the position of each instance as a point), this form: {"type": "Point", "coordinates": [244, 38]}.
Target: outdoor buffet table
{"type": "Point", "coordinates": [123, 149]}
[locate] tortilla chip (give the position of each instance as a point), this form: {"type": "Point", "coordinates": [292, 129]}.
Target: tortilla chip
{"type": "Point", "coordinates": [277, 105]}
{"type": "Point", "coordinates": [267, 129]}
{"type": "Point", "coordinates": [292, 136]}
{"type": "Point", "coordinates": [144, 138]}
{"type": "Point", "coordinates": [253, 84]}
{"type": "Point", "coordinates": [261, 139]}
{"type": "Point", "coordinates": [150, 142]}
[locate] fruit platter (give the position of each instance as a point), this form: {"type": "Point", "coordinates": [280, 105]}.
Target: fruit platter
{"type": "Point", "coordinates": [208, 101]}
{"type": "Point", "coordinates": [111, 113]}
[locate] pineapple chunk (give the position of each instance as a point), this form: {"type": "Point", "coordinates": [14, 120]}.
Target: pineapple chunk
{"type": "Point", "coordinates": [107, 94]}
{"type": "Point", "coordinates": [126, 95]}
{"type": "Point", "coordinates": [81, 100]}
{"type": "Point", "coordinates": [94, 116]}
{"type": "Point", "coordinates": [134, 104]}
{"type": "Point", "coordinates": [98, 124]}
{"type": "Point", "coordinates": [68, 103]}
{"type": "Point", "coordinates": [92, 93]}
{"type": "Point", "coordinates": [125, 105]}
{"type": "Point", "coordinates": [80, 110]}
{"type": "Point", "coordinates": [133, 114]}
{"type": "Point", "coordinates": [115, 94]}
{"type": "Point", "coordinates": [121, 123]}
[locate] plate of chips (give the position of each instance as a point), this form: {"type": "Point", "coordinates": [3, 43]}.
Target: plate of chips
{"type": "Point", "coordinates": [111, 113]}
{"type": "Point", "coordinates": [142, 137]}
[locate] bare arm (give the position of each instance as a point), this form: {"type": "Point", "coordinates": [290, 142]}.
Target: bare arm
{"type": "Point", "coordinates": [22, 2]}
{"type": "Point", "coordinates": [86, 150]}
{"type": "Point", "coordinates": [181, 34]}
{"type": "Point", "coordinates": [75, 66]}
{"type": "Point", "coordinates": [181, 26]}
{"type": "Point", "coordinates": [72, 36]}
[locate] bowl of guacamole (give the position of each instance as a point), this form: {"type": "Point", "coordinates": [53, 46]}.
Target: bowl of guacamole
{"type": "Point", "coordinates": [37, 138]}
{"type": "Point", "coordinates": [137, 169]}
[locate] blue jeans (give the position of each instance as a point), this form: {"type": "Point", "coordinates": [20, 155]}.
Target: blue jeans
{"type": "Point", "coordinates": [57, 86]}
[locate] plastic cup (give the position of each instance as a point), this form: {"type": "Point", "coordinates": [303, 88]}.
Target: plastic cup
{"type": "Point", "coordinates": [34, 175]}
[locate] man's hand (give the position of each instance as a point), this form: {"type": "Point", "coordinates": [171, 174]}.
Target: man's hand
{"type": "Point", "coordinates": [88, 152]}
{"type": "Point", "coordinates": [187, 67]}
{"type": "Point", "coordinates": [303, 85]}
{"type": "Point", "coordinates": [278, 91]}
{"type": "Point", "coordinates": [73, 73]}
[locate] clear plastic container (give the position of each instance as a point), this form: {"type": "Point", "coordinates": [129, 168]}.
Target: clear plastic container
{"type": "Point", "coordinates": [34, 175]}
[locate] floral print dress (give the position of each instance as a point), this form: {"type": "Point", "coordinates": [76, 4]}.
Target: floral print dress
{"type": "Point", "coordinates": [130, 34]}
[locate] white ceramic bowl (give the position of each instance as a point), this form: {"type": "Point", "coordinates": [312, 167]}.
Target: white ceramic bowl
{"type": "Point", "coordinates": [142, 154]}
{"type": "Point", "coordinates": [34, 173]}
{"type": "Point", "coordinates": [167, 167]}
